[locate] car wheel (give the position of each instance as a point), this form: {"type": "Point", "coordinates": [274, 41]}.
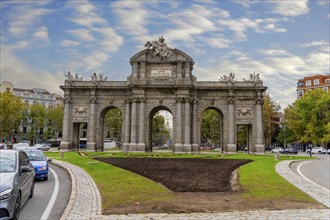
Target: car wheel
{"type": "Point", "coordinates": [320, 152]}
{"type": "Point", "coordinates": [32, 190]}
{"type": "Point", "coordinates": [17, 208]}
{"type": "Point", "coordinates": [46, 178]}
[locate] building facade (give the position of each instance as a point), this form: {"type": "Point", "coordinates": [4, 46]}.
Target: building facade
{"type": "Point", "coordinates": [162, 79]}
{"type": "Point", "coordinates": [313, 82]}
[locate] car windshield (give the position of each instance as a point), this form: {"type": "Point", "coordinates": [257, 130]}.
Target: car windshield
{"type": "Point", "coordinates": [36, 155]}
{"type": "Point", "coordinates": [7, 162]}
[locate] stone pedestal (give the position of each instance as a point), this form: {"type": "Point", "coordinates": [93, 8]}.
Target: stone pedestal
{"type": "Point", "coordinates": [231, 149]}
{"type": "Point", "coordinates": [65, 145]}
{"type": "Point", "coordinates": [187, 148]}
{"type": "Point", "coordinates": [91, 146]}
{"type": "Point", "coordinates": [259, 148]}
{"type": "Point", "coordinates": [178, 147]}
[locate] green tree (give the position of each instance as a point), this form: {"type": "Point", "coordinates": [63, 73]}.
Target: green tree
{"type": "Point", "coordinates": [160, 133]}
{"type": "Point", "coordinates": [309, 117]}
{"type": "Point", "coordinates": [11, 109]}
{"type": "Point", "coordinates": [113, 124]}
{"type": "Point", "coordinates": [54, 121]}
{"type": "Point", "coordinates": [37, 116]}
{"type": "Point", "coordinates": [270, 110]}
{"type": "Point", "coordinates": [211, 125]}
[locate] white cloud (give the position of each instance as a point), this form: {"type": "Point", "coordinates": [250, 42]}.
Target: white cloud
{"type": "Point", "coordinates": [110, 40]}
{"type": "Point", "coordinates": [68, 43]}
{"type": "Point", "coordinates": [85, 13]}
{"type": "Point", "coordinates": [274, 52]}
{"type": "Point", "coordinates": [314, 44]}
{"type": "Point", "coordinates": [95, 60]}
{"type": "Point", "coordinates": [24, 76]}
{"type": "Point", "coordinates": [24, 17]}
{"type": "Point", "coordinates": [290, 8]}
{"type": "Point", "coordinates": [82, 34]}
{"type": "Point", "coordinates": [217, 41]}
{"type": "Point", "coordinates": [42, 34]}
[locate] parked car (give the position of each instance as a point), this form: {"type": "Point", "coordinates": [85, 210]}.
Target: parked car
{"type": "Point", "coordinates": [15, 146]}
{"type": "Point", "coordinates": [328, 151]}
{"type": "Point", "coordinates": [3, 146]}
{"type": "Point", "coordinates": [17, 182]}
{"type": "Point", "coordinates": [43, 147]}
{"type": "Point", "coordinates": [277, 150]}
{"type": "Point", "coordinates": [39, 162]}
{"type": "Point", "coordinates": [289, 150]}
{"type": "Point", "coordinates": [317, 150]}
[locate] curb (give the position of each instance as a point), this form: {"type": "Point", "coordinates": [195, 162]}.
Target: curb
{"type": "Point", "coordinates": [73, 188]}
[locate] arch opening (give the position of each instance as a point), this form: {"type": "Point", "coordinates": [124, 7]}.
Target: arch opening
{"type": "Point", "coordinates": [161, 130]}
{"type": "Point", "coordinates": [111, 132]}
{"type": "Point", "coordinates": [211, 130]}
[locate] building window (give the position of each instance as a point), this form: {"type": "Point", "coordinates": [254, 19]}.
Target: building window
{"type": "Point", "coordinates": [325, 89]}
{"type": "Point", "coordinates": [26, 102]}
{"type": "Point", "coordinates": [308, 83]}
{"type": "Point", "coordinates": [300, 93]}
{"type": "Point", "coordinates": [316, 82]}
{"type": "Point", "coordinates": [24, 130]}
{"type": "Point", "coordinates": [300, 84]}
{"type": "Point", "coordinates": [35, 102]}
{"type": "Point", "coordinates": [327, 81]}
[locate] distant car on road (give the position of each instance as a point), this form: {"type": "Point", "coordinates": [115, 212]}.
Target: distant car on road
{"type": "Point", "coordinates": [43, 147]}
{"type": "Point", "coordinates": [39, 162]}
{"type": "Point", "coordinates": [3, 146]}
{"type": "Point", "coordinates": [316, 150]}
{"type": "Point", "coordinates": [277, 150]}
{"type": "Point", "coordinates": [17, 182]}
{"type": "Point", "coordinates": [289, 150]}
{"type": "Point", "coordinates": [20, 145]}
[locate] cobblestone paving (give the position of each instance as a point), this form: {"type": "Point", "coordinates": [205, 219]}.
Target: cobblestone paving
{"type": "Point", "coordinates": [85, 203]}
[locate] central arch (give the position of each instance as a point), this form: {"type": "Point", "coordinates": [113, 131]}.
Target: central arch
{"type": "Point", "coordinates": [150, 146]}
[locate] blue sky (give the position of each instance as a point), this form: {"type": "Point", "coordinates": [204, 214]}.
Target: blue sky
{"type": "Point", "coordinates": [283, 40]}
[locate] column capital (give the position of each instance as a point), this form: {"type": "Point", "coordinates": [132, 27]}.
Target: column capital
{"type": "Point", "coordinates": [92, 100]}
{"type": "Point", "coordinates": [259, 101]}
{"type": "Point", "coordinates": [141, 99]}
{"type": "Point", "coordinates": [179, 99]}
{"type": "Point", "coordinates": [187, 100]}
{"type": "Point", "coordinates": [66, 100]}
{"type": "Point", "coordinates": [231, 100]}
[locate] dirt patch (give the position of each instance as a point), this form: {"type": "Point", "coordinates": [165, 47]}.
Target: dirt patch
{"type": "Point", "coordinates": [199, 185]}
{"type": "Point", "coordinates": [183, 175]}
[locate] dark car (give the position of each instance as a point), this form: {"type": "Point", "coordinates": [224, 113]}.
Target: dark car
{"type": "Point", "coordinates": [289, 150]}
{"type": "Point", "coordinates": [17, 182]}
{"type": "Point", "coordinates": [39, 162]}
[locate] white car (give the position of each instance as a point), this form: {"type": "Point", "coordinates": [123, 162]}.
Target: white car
{"type": "Point", "coordinates": [20, 145]}
{"type": "Point", "coordinates": [277, 150]}
{"type": "Point", "coordinates": [317, 150]}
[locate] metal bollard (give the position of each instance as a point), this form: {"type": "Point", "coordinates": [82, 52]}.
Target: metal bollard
{"type": "Point", "coordinates": [277, 155]}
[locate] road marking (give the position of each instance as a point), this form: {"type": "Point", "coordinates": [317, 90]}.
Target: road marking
{"type": "Point", "coordinates": [303, 176]}
{"type": "Point", "coordinates": [52, 200]}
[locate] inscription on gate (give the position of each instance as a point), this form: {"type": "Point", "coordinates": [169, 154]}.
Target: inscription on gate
{"type": "Point", "coordinates": [161, 71]}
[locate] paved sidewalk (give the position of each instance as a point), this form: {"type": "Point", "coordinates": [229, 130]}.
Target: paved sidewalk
{"type": "Point", "coordinates": [85, 202]}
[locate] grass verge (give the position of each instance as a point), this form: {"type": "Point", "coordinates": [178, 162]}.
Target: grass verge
{"type": "Point", "coordinates": [259, 179]}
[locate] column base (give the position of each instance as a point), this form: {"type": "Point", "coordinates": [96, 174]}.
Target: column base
{"type": "Point", "coordinates": [259, 149]}
{"type": "Point", "coordinates": [65, 145]}
{"type": "Point", "coordinates": [132, 147]}
{"type": "Point", "coordinates": [231, 149]}
{"type": "Point", "coordinates": [91, 146]}
{"type": "Point", "coordinates": [178, 147]}
{"type": "Point", "coordinates": [194, 147]}
{"type": "Point", "coordinates": [187, 148]}
{"type": "Point", "coordinates": [141, 147]}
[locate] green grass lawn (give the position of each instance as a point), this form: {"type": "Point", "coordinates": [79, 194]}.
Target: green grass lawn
{"type": "Point", "coordinates": [258, 179]}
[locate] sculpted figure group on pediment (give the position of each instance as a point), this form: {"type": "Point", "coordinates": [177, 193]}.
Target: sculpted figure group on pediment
{"type": "Point", "coordinates": [159, 48]}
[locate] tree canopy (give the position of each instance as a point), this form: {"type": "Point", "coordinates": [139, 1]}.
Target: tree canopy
{"type": "Point", "coordinates": [160, 133]}
{"type": "Point", "coordinates": [211, 126]}
{"type": "Point", "coordinates": [309, 117]}
{"type": "Point", "coordinates": [113, 124]}
{"type": "Point", "coordinates": [11, 109]}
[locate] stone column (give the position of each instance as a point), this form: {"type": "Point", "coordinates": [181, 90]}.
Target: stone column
{"type": "Point", "coordinates": [66, 141]}
{"type": "Point", "coordinates": [178, 133]}
{"type": "Point", "coordinates": [259, 146]}
{"type": "Point", "coordinates": [143, 70]}
{"type": "Point", "coordinates": [187, 122]}
{"type": "Point", "coordinates": [179, 70]}
{"type": "Point", "coordinates": [141, 144]}
{"type": "Point", "coordinates": [127, 126]}
{"type": "Point", "coordinates": [194, 127]}
{"type": "Point", "coordinates": [231, 146]}
{"type": "Point", "coordinates": [91, 145]}
{"type": "Point", "coordinates": [133, 144]}
{"type": "Point", "coordinates": [134, 70]}
{"type": "Point", "coordinates": [187, 70]}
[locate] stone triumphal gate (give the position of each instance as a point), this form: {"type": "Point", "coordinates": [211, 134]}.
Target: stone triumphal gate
{"type": "Point", "coordinates": [162, 79]}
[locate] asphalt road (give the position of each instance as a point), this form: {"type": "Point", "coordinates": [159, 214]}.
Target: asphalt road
{"type": "Point", "coordinates": [50, 197]}
{"type": "Point", "coordinates": [318, 171]}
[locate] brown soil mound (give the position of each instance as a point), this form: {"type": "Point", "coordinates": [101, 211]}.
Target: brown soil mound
{"type": "Point", "coordinates": [183, 175]}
